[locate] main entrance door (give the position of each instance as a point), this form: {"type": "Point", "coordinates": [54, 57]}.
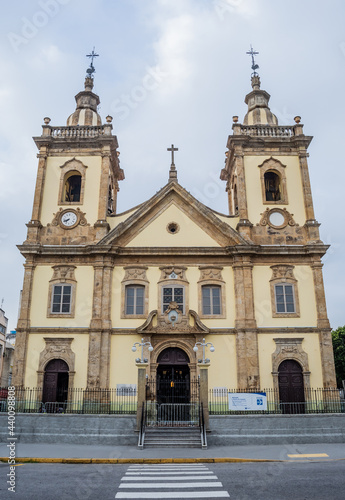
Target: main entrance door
{"type": "Point", "coordinates": [291, 387]}
{"type": "Point", "coordinates": [173, 378]}
{"type": "Point", "coordinates": [173, 398]}
{"type": "Point", "coordinates": [55, 385]}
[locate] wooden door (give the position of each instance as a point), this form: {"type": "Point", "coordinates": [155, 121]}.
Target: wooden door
{"type": "Point", "coordinates": [291, 387]}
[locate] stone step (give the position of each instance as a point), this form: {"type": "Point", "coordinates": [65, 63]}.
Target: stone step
{"type": "Point", "coordinates": [172, 437]}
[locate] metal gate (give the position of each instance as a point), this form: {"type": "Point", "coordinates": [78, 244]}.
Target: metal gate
{"type": "Point", "coordinates": [172, 403]}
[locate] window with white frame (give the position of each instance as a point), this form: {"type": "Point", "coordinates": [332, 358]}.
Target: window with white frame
{"type": "Point", "coordinates": [211, 300]}
{"type": "Point", "coordinates": [173, 293]}
{"type": "Point", "coordinates": [135, 296]}
{"type": "Point", "coordinates": [285, 298]}
{"type": "Point", "coordinates": [61, 299]}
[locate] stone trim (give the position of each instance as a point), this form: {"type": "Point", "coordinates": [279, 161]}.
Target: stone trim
{"type": "Point", "coordinates": [179, 281]}
{"type": "Point", "coordinates": [290, 348]}
{"type": "Point", "coordinates": [56, 348]}
{"type": "Point", "coordinates": [63, 274]}
{"type": "Point", "coordinates": [66, 169]}
{"type": "Point", "coordinates": [211, 275]}
{"type": "Point", "coordinates": [275, 166]}
{"type": "Point", "coordinates": [283, 274]}
{"type": "Point", "coordinates": [160, 345]}
{"type": "Point", "coordinates": [135, 275]}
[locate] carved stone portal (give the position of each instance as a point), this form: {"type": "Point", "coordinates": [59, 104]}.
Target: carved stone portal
{"type": "Point", "coordinates": [290, 348]}
{"type": "Point", "coordinates": [56, 348]}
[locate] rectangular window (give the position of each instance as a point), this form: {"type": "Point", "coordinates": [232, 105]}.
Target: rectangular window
{"type": "Point", "coordinates": [211, 300]}
{"type": "Point", "coordinates": [62, 295]}
{"type": "Point", "coordinates": [285, 300]}
{"type": "Point", "coordinates": [135, 300]}
{"type": "Point", "coordinates": [173, 294]}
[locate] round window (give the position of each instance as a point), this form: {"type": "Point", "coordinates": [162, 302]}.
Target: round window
{"type": "Point", "coordinates": [173, 228]}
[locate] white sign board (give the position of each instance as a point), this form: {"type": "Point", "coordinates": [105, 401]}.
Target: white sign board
{"type": "Point", "coordinates": [244, 401]}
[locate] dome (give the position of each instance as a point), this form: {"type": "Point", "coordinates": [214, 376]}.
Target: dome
{"type": "Point", "coordinates": [86, 110]}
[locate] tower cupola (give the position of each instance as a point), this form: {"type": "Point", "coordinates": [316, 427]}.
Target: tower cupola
{"type": "Point", "coordinates": [257, 100]}
{"type": "Point", "coordinates": [86, 110]}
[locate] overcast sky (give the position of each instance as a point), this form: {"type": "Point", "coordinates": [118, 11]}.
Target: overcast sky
{"type": "Point", "coordinates": [171, 71]}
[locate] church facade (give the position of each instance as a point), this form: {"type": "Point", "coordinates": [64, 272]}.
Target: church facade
{"type": "Point", "coordinates": [172, 271]}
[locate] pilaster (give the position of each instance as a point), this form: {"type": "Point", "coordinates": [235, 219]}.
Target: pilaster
{"type": "Point", "coordinates": [100, 326]}
{"type": "Point", "coordinates": [325, 337]}
{"type": "Point", "coordinates": [247, 354]}
{"type": "Point", "coordinates": [20, 352]}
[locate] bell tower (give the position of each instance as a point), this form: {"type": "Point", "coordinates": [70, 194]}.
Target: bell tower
{"type": "Point", "coordinates": [266, 174]}
{"type": "Point", "coordinates": [78, 175]}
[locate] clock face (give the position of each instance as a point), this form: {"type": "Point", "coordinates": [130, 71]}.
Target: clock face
{"type": "Point", "coordinates": [69, 219]}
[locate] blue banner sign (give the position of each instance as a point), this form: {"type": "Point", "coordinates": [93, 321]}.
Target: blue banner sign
{"type": "Point", "coordinates": [247, 401]}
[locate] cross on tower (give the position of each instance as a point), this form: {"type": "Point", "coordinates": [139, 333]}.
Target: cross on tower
{"type": "Point", "coordinates": [91, 69]}
{"type": "Point", "coordinates": [253, 53]}
{"type": "Point", "coordinates": [172, 149]}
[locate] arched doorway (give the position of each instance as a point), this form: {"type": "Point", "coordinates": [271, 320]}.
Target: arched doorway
{"type": "Point", "coordinates": [173, 376]}
{"type": "Point", "coordinates": [55, 384]}
{"type": "Point", "coordinates": [291, 387]}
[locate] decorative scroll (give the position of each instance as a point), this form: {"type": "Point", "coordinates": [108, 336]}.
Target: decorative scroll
{"type": "Point", "coordinates": [63, 273]}
{"type": "Point", "coordinates": [135, 273]}
{"type": "Point", "coordinates": [173, 272]}
{"type": "Point", "coordinates": [211, 273]}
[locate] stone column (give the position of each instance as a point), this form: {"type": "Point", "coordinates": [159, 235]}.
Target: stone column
{"type": "Point", "coordinates": [141, 390]}
{"type": "Point", "coordinates": [325, 337]}
{"type": "Point", "coordinates": [244, 226]}
{"type": "Point", "coordinates": [34, 225]}
{"type": "Point", "coordinates": [247, 355]}
{"type": "Point", "coordinates": [203, 368]}
{"type": "Point", "coordinates": [19, 360]}
{"type": "Point", "coordinates": [311, 224]}
{"type": "Point", "coordinates": [100, 327]}
{"type": "Point", "coordinates": [102, 227]}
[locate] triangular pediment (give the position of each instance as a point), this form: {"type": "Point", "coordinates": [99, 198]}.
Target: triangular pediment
{"type": "Point", "coordinates": [173, 218]}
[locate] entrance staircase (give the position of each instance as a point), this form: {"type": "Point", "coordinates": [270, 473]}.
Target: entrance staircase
{"type": "Point", "coordinates": [172, 437]}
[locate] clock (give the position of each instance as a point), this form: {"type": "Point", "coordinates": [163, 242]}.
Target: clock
{"type": "Point", "coordinates": [69, 219]}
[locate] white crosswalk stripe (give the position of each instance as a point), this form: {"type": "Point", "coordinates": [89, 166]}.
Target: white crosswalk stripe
{"type": "Point", "coordinates": [182, 481]}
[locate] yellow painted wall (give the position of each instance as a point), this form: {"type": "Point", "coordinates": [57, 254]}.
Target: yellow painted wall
{"type": "Point", "coordinates": [189, 235]}
{"type": "Point", "coordinates": [122, 360]}
{"type": "Point", "coordinates": [224, 356]}
{"type": "Point", "coordinates": [262, 298]}
{"type": "Point", "coordinates": [79, 345]}
{"type": "Point", "coordinates": [52, 185]}
{"type": "Point", "coordinates": [39, 302]}
{"type": "Point", "coordinates": [293, 182]}
{"type": "Point", "coordinates": [310, 345]}
{"type": "Point", "coordinates": [231, 221]}
{"type": "Point", "coordinates": [153, 275]}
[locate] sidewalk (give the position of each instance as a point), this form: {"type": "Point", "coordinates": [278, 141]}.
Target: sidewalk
{"type": "Point", "coordinates": [123, 454]}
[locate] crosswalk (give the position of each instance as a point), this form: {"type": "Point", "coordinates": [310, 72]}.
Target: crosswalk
{"type": "Point", "coordinates": [163, 481]}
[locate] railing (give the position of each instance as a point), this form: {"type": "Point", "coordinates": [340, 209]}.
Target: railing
{"type": "Point", "coordinates": [142, 428]}
{"type": "Point", "coordinates": [90, 401]}
{"type": "Point", "coordinates": [314, 401]}
{"type": "Point", "coordinates": [172, 414]}
{"type": "Point", "coordinates": [202, 427]}
{"type": "Point", "coordinates": [267, 130]}
{"type": "Point", "coordinates": [78, 131]}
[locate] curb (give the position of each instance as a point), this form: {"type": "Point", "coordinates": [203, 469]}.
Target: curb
{"type": "Point", "coordinates": [137, 460]}
{"type": "Point", "coordinates": [119, 461]}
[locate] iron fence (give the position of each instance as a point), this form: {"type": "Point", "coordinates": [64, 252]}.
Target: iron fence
{"type": "Point", "coordinates": [315, 401]}
{"type": "Point", "coordinates": [106, 401]}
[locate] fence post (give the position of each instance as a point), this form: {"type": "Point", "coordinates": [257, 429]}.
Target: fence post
{"type": "Point", "coordinates": [204, 392]}
{"type": "Point", "coordinates": [141, 390]}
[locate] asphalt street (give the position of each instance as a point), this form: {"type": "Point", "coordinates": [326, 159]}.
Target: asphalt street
{"type": "Point", "coordinates": [298, 480]}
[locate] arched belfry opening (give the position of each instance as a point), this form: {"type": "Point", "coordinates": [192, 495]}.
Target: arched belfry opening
{"type": "Point", "coordinates": [291, 387]}
{"type": "Point", "coordinates": [55, 383]}
{"type": "Point", "coordinates": [72, 187]}
{"type": "Point", "coordinates": [272, 186]}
